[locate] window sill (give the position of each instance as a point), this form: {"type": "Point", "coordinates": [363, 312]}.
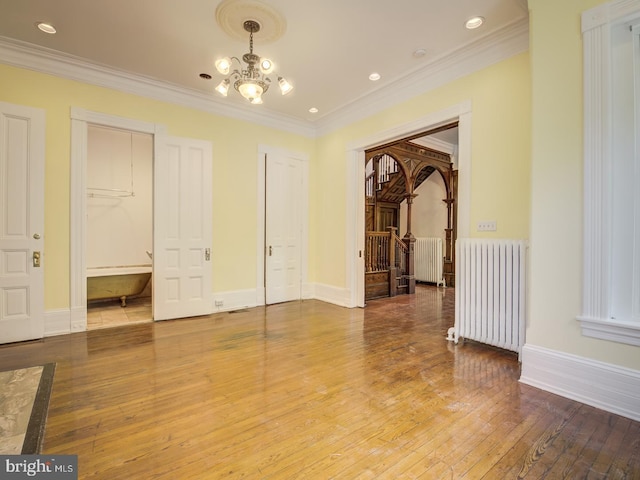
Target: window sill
{"type": "Point", "coordinates": [621, 332]}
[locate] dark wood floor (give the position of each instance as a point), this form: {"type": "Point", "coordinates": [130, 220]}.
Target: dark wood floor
{"type": "Point", "coordinates": [308, 390]}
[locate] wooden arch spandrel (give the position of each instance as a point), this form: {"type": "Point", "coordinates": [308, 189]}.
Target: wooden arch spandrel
{"type": "Point", "coordinates": [413, 159]}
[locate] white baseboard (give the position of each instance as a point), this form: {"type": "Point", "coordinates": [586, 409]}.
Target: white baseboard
{"type": "Point", "coordinates": [57, 322]}
{"type": "Point", "coordinates": [64, 321]}
{"type": "Point", "coordinates": [601, 385]}
{"type": "Point", "coordinates": [234, 300]}
{"type": "Point", "coordinates": [78, 319]}
{"type": "Point", "coordinates": [331, 294]}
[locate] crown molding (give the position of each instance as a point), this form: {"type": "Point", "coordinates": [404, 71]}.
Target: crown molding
{"type": "Point", "coordinates": [33, 57]}
{"type": "Point", "coordinates": [609, 12]}
{"type": "Point", "coordinates": [436, 144]}
{"type": "Point", "coordinates": [490, 49]}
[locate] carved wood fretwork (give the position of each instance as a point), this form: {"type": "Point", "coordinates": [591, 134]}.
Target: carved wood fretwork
{"type": "Point", "coordinates": [415, 163]}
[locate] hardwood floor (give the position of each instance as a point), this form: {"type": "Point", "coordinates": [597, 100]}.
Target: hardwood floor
{"type": "Point", "coordinates": [108, 314]}
{"type": "Point", "coordinates": [308, 390]}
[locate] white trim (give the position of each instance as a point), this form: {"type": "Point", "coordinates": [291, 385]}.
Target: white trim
{"type": "Point", "coordinates": [261, 295]}
{"type": "Point", "coordinates": [436, 144]}
{"type": "Point", "coordinates": [355, 185]}
{"type": "Point", "coordinates": [635, 289]}
{"type": "Point", "coordinates": [34, 57]}
{"type": "Point", "coordinates": [234, 300]}
{"type": "Point", "coordinates": [80, 118]}
{"type": "Point", "coordinates": [598, 165]}
{"type": "Point", "coordinates": [331, 294]}
{"type": "Point", "coordinates": [237, 299]}
{"type": "Point", "coordinates": [481, 53]}
{"type": "Point", "coordinates": [608, 387]}
{"type": "Point", "coordinates": [57, 322]}
{"type": "Point", "coordinates": [261, 225]}
{"type": "Point", "coordinates": [606, 13]}
{"type": "Point", "coordinates": [611, 330]}
{"type": "Point", "coordinates": [354, 241]}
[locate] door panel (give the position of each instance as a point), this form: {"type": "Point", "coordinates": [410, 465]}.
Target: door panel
{"type": "Point", "coordinates": [21, 223]}
{"type": "Point", "coordinates": [182, 228]}
{"type": "Point", "coordinates": [283, 229]}
{"type": "Point", "coordinates": [387, 217]}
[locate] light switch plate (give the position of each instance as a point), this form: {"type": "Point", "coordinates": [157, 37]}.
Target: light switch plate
{"type": "Point", "coordinates": [487, 226]}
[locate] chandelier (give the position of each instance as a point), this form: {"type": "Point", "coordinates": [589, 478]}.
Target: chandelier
{"type": "Point", "coordinates": [250, 81]}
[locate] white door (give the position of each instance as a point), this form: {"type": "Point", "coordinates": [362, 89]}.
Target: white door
{"type": "Point", "coordinates": [283, 228]}
{"type": "Point", "coordinates": [21, 223]}
{"type": "Point", "coordinates": [182, 229]}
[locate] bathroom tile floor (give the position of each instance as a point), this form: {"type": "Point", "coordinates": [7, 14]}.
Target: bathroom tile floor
{"type": "Point", "coordinates": [110, 314]}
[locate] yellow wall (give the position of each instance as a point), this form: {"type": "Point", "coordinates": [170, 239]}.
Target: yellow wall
{"type": "Point", "coordinates": [556, 195]}
{"type": "Point", "coordinates": [500, 98]}
{"type": "Point", "coordinates": [235, 149]}
{"type": "Point", "coordinates": [500, 151]}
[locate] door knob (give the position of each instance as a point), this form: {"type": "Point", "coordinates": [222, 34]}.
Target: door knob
{"type": "Point", "coordinates": [36, 259]}
{"type": "Point", "coordinates": [36, 236]}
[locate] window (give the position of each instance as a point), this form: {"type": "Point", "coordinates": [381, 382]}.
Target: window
{"type": "Point", "coordinates": [611, 277]}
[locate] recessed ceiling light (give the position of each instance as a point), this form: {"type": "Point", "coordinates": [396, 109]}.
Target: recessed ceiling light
{"type": "Point", "coordinates": [313, 110]}
{"type": "Point", "coordinates": [46, 27]}
{"type": "Point", "coordinates": [374, 77]}
{"type": "Point", "coordinates": [474, 22]}
{"type": "Point", "coordinates": [421, 52]}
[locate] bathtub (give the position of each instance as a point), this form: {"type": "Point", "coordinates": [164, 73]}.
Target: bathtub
{"type": "Point", "coordinates": [117, 282]}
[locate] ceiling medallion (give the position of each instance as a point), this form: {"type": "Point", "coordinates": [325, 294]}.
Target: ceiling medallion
{"type": "Point", "coordinates": [231, 15]}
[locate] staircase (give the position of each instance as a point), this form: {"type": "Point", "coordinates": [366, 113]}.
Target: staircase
{"type": "Point", "coordinates": [393, 173]}
{"type": "Point", "coordinates": [386, 272]}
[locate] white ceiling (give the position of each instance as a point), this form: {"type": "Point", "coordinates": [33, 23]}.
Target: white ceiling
{"type": "Point", "coordinates": [327, 50]}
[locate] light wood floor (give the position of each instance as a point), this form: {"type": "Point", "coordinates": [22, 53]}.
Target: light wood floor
{"type": "Point", "coordinates": [110, 313]}
{"type": "Point", "coordinates": [308, 390]}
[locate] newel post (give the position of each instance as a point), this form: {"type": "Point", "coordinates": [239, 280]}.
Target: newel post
{"type": "Point", "coordinates": [410, 241]}
{"type": "Point", "coordinates": [393, 269]}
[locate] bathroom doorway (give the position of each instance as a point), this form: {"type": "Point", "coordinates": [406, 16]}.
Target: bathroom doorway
{"type": "Point", "coordinates": [119, 226]}
{"type": "Point", "coordinates": [81, 119]}
{"type": "Point", "coordinates": [182, 185]}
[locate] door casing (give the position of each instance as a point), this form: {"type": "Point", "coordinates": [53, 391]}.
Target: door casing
{"type": "Point", "coordinates": [355, 166]}
{"type": "Point", "coordinates": [80, 119]}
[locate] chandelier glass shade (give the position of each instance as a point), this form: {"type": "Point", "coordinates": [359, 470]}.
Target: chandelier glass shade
{"type": "Point", "coordinates": [249, 80]}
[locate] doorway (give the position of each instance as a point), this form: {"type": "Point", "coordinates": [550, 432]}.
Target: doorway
{"type": "Point", "coordinates": [181, 203]}
{"type": "Point", "coordinates": [283, 225]}
{"type": "Point", "coordinates": [461, 113]}
{"type": "Point", "coordinates": [413, 176]}
{"type": "Point", "coordinates": [119, 226]}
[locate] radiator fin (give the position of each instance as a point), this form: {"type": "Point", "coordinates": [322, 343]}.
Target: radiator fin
{"type": "Point", "coordinates": [428, 260]}
{"type": "Point", "coordinates": [490, 292]}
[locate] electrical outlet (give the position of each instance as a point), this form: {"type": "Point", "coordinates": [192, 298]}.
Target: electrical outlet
{"type": "Point", "coordinates": [219, 303]}
{"type": "Point", "coordinates": [488, 226]}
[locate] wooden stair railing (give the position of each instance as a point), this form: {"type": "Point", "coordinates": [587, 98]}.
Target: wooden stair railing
{"type": "Point", "coordinates": [369, 185]}
{"type": "Point", "coordinates": [377, 252]}
{"type": "Point", "coordinates": [386, 252]}
{"type": "Point", "coordinates": [398, 272]}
